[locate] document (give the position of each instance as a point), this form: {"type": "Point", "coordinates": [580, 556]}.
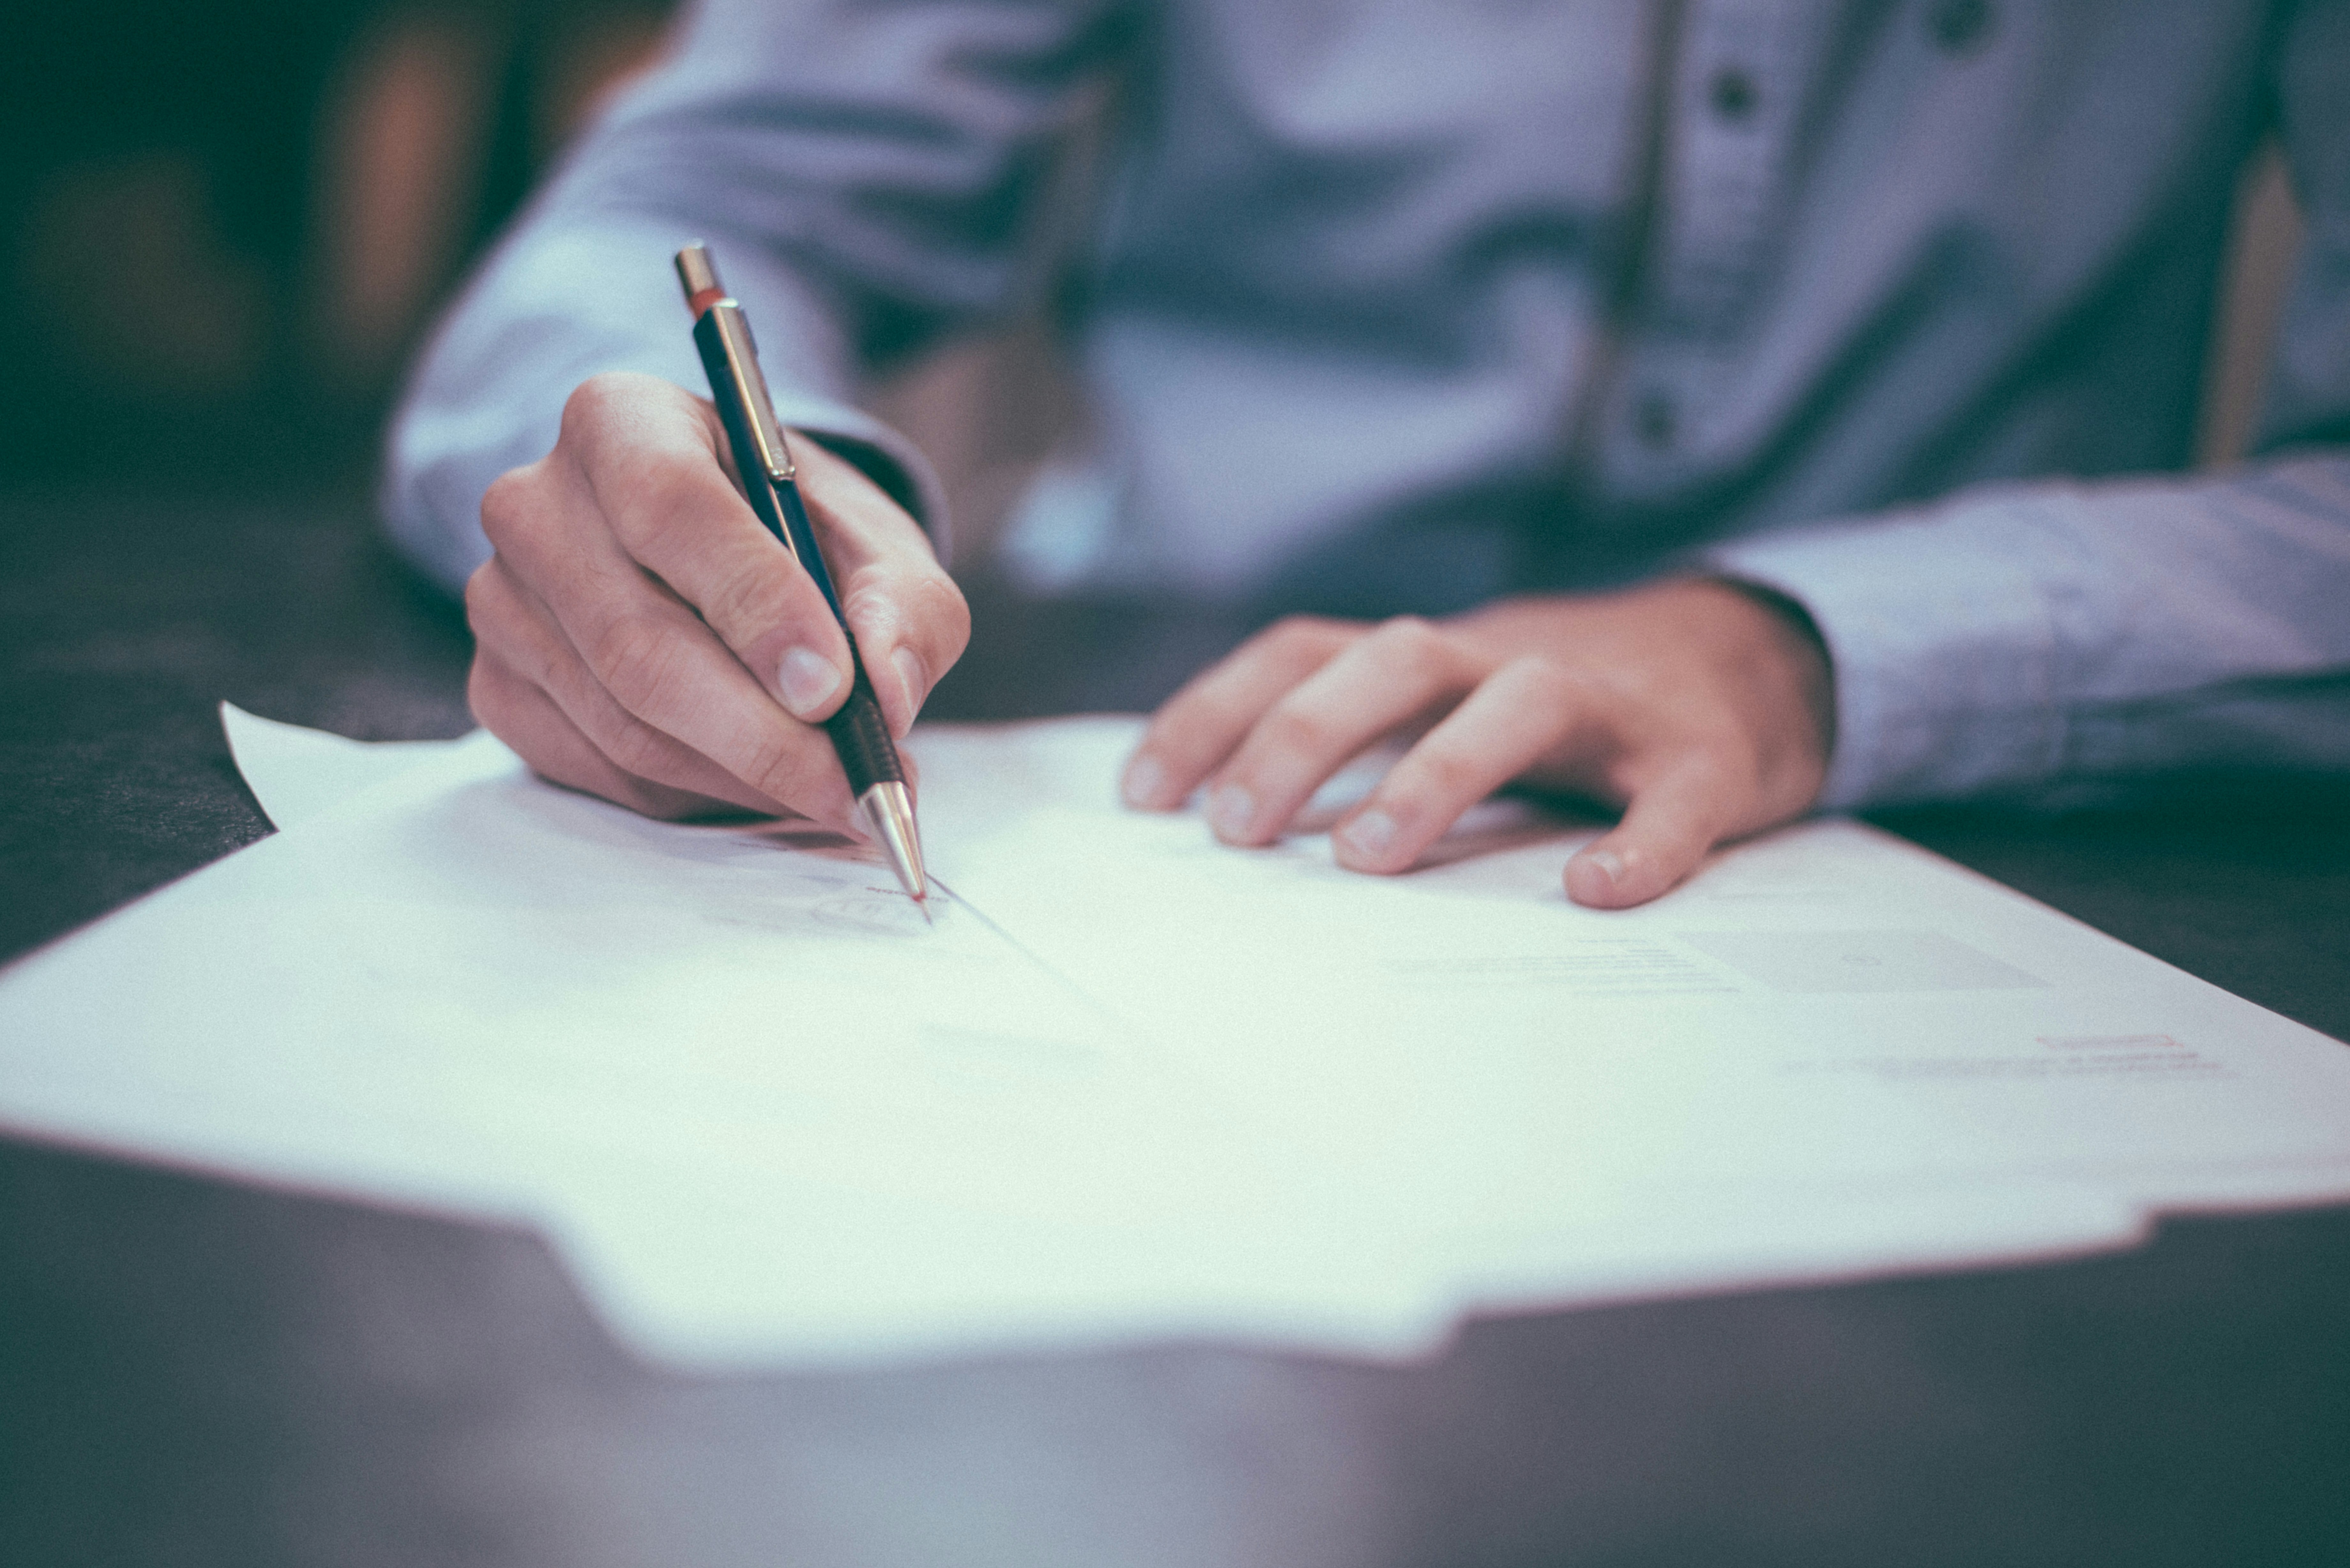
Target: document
{"type": "Point", "coordinates": [297, 773]}
{"type": "Point", "coordinates": [1131, 1084]}
{"type": "Point", "coordinates": [1827, 1002]}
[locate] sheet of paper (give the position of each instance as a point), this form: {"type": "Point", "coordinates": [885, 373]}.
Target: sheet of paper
{"type": "Point", "coordinates": [1132, 1086]}
{"type": "Point", "coordinates": [296, 774]}
{"type": "Point", "coordinates": [1827, 1005]}
{"type": "Point", "coordinates": [719, 1065]}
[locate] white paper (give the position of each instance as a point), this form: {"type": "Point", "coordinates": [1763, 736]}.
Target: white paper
{"type": "Point", "coordinates": [296, 774]}
{"type": "Point", "coordinates": [1138, 1086]}
{"type": "Point", "coordinates": [1827, 1003]}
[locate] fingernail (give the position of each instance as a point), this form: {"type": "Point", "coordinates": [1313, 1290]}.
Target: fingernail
{"type": "Point", "coordinates": [1369, 835]}
{"type": "Point", "coordinates": [1230, 810]}
{"type": "Point", "coordinates": [1607, 863]}
{"type": "Point", "coordinates": [807, 678]}
{"type": "Point", "coordinates": [1144, 779]}
{"type": "Point", "coordinates": [915, 678]}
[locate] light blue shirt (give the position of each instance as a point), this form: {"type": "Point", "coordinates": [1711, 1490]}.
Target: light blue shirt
{"type": "Point", "coordinates": [1897, 309]}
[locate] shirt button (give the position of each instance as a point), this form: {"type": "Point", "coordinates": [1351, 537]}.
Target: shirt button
{"type": "Point", "coordinates": [1960, 26]}
{"type": "Point", "coordinates": [1731, 93]}
{"type": "Point", "coordinates": [1655, 420]}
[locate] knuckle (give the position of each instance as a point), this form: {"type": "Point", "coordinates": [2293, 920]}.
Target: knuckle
{"type": "Point", "coordinates": [877, 617]}
{"type": "Point", "coordinates": [1447, 774]}
{"type": "Point", "coordinates": [1290, 728]}
{"type": "Point", "coordinates": [779, 767]}
{"type": "Point", "coordinates": [939, 609]}
{"type": "Point", "coordinates": [488, 695]}
{"type": "Point", "coordinates": [1409, 640]}
{"type": "Point", "coordinates": [669, 497]}
{"type": "Point", "coordinates": [873, 597]}
{"type": "Point", "coordinates": [631, 657]}
{"type": "Point", "coordinates": [510, 507]}
{"type": "Point", "coordinates": [634, 748]}
{"type": "Point", "coordinates": [739, 604]}
{"type": "Point", "coordinates": [1288, 650]}
{"type": "Point", "coordinates": [922, 607]}
{"type": "Point", "coordinates": [1544, 683]}
{"type": "Point", "coordinates": [483, 598]}
{"type": "Point", "coordinates": [498, 616]}
{"type": "Point", "coordinates": [1300, 634]}
{"type": "Point", "coordinates": [912, 608]}
{"type": "Point", "coordinates": [599, 400]}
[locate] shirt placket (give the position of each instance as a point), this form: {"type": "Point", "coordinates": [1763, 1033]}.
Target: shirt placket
{"type": "Point", "coordinates": [1733, 114]}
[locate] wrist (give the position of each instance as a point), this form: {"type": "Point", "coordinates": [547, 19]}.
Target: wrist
{"type": "Point", "coordinates": [1803, 652]}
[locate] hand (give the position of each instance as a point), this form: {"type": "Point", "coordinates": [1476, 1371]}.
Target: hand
{"type": "Point", "coordinates": [641, 636]}
{"type": "Point", "coordinates": [1702, 710]}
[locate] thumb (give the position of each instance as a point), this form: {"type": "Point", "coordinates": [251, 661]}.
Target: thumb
{"type": "Point", "coordinates": [1667, 828]}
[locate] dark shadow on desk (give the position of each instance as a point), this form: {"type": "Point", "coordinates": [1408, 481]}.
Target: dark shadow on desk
{"type": "Point", "coordinates": [199, 1373]}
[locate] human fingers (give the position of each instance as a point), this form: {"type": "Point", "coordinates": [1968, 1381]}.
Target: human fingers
{"type": "Point", "coordinates": [1379, 683]}
{"type": "Point", "coordinates": [1526, 709]}
{"type": "Point", "coordinates": [652, 460]}
{"type": "Point", "coordinates": [529, 721]}
{"type": "Point", "coordinates": [910, 621]}
{"type": "Point", "coordinates": [1669, 824]}
{"type": "Point", "coordinates": [642, 645]}
{"type": "Point", "coordinates": [1195, 729]}
{"type": "Point", "coordinates": [520, 641]}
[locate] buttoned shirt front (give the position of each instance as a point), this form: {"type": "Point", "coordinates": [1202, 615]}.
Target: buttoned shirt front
{"type": "Point", "coordinates": [1899, 308]}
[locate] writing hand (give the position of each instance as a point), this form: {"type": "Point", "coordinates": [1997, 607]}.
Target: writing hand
{"type": "Point", "coordinates": [639, 634]}
{"type": "Point", "coordinates": [1702, 710]}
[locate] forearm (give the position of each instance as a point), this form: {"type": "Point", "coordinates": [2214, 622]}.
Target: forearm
{"type": "Point", "coordinates": [2017, 640]}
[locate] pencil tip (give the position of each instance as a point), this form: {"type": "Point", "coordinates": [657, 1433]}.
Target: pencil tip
{"type": "Point", "coordinates": [889, 814]}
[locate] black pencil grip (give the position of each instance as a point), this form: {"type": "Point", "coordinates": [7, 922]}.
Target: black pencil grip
{"type": "Point", "coordinates": [862, 738]}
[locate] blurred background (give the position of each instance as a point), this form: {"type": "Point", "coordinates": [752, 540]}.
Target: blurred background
{"type": "Point", "coordinates": [227, 226]}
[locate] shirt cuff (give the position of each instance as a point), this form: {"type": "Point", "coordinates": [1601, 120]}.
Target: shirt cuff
{"type": "Point", "coordinates": [1942, 645]}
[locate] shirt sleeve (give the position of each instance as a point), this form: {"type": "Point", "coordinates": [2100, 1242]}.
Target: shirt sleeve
{"type": "Point", "coordinates": [2062, 639]}
{"type": "Point", "coordinates": [864, 175]}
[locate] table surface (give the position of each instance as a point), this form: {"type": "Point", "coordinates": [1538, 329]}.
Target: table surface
{"type": "Point", "coordinates": [198, 1372]}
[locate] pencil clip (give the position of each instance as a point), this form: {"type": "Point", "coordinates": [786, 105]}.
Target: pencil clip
{"type": "Point", "coordinates": [708, 299]}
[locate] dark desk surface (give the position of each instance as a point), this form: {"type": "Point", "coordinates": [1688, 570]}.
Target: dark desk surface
{"type": "Point", "coordinates": [194, 1372]}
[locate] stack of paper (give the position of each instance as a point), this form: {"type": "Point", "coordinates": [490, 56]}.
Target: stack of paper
{"type": "Point", "coordinates": [1133, 1085]}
